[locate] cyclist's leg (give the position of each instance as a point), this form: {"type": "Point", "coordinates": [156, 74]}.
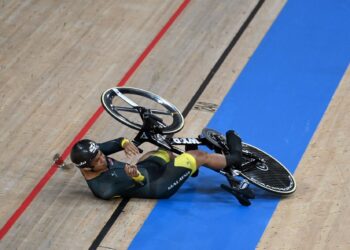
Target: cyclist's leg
{"type": "Point", "coordinates": [175, 174]}
{"type": "Point", "coordinates": [164, 154]}
{"type": "Point", "coordinates": [213, 161]}
{"type": "Point", "coordinates": [177, 171]}
{"type": "Point", "coordinates": [219, 161]}
{"type": "Point", "coordinates": [234, 144]}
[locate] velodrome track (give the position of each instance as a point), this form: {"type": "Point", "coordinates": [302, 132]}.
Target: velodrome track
{"type": "Point", "coordinates": [277, 71]}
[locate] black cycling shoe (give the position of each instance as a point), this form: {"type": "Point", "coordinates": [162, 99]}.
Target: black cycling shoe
{"type": "Point", "coordinates": [234, 144]}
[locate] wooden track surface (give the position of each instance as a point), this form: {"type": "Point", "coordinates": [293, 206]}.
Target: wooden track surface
{"type": "Point", "coordinates": [57, 57]}
{"type": "Point", "coordinates": [316, 216]}
{"type": "Point", "coordinates": [50, 49]}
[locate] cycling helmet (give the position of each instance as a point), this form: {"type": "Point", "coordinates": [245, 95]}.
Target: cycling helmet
{"type": "Point", "coordinates": [83, 152]}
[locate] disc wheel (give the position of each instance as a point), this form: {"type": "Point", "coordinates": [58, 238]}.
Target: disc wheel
{"type": "Point", "coordinates": [259, 168]}
{"type": "Point", "coordinates": [123, 104]}
{"type": "Point", "coordinates": [266, 172]}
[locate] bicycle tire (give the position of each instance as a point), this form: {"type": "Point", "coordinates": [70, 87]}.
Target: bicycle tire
{"type": "Point", "coordinates": [265, 171]}
{"type": "Point", "coordinates": [170, 109]}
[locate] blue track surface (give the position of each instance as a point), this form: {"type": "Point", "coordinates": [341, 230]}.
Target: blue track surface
{"type": "Point", "coordinates": [276, 104]}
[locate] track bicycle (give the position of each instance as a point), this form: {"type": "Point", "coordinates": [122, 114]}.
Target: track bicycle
{"type": "Point", "coordinates": [157, 120]}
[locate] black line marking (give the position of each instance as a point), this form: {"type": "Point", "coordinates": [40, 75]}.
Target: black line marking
{"type": "Point", "coordinates": [187, 109]}
{"type": "Point", "coordinates": [222, 58]}
{"type": "Point", "coordinates": [109, 224]}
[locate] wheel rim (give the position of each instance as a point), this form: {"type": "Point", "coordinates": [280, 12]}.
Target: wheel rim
{"type": "Point", "coordinates": [129, 116]}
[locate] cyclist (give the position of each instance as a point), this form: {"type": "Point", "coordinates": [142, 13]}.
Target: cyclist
{"type": "Point", "coordinates": [158, 174]}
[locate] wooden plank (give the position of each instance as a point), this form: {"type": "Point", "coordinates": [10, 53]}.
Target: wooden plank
{"type": "Point", "coordinates": [317, 215]}
{"type": "Point", "coordinates": [56, 63]}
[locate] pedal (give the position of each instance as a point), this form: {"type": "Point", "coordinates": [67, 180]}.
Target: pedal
{"type": "Point", "coordinates": [242, 185]}
{"type": "Point", "coordinates": [245, 190]}
{"type": "Point", "coordinates": [242, 199]}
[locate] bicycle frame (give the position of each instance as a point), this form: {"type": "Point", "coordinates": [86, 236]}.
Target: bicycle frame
{"type": "Point", "coordinates": [151, 132]}
{"type": "Point", "coordinates": [169, 143]}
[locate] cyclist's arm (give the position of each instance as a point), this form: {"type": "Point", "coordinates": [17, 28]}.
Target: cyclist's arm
{"type": "Point", "coordinates": [113, 146]}
{"type": "Point", "coordinates": [135, 174]}
{"type": "Point", "coordinates": [107, 185]}
{"type": "Point", "coordinates": [108, 190]}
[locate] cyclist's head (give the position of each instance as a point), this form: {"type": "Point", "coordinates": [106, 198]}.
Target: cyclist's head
{"type": "Point", "coordinates": [83, 152]}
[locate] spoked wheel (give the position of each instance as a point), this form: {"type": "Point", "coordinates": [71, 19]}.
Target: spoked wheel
{"type": "Point", "coordinates": [258, 167]}
{"type": "Point", "coordinates": [124, 105]}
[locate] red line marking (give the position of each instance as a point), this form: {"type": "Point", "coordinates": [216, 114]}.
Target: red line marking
{"type": "Point", "coordinates": [15, 216]}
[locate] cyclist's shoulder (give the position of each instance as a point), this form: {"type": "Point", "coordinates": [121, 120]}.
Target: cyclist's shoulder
{"type": "Point", "coordinates": [91, 175]}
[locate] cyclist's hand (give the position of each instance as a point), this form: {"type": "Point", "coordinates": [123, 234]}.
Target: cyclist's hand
{"type": "Point", "coordinates": [130, 149]}
{"type": "Point", "coordinates": [131, 170]}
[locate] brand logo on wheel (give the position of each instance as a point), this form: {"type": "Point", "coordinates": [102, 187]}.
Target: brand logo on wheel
{"type": "Point", "coordinates": [262, 167]}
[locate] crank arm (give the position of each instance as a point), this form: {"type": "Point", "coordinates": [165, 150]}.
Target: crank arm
{"type": "Point", "coordinates": [242, 199]}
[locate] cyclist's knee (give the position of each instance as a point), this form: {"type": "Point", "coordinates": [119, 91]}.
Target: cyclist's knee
{"type": "Point", "coordinates": [200, 156]}
{"type": "Point", "coordinates": [186, 160]}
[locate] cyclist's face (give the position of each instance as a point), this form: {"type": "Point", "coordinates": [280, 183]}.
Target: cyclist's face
{"type": "Point", "coordinates": [99, 162]}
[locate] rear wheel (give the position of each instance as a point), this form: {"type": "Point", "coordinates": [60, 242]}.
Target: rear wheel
{"type": "Point", "coordinates": [258, 167]}
{"type": "Point", "coordinates": [265, 171]}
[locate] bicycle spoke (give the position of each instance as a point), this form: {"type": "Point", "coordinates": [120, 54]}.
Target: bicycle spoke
{"type": "Point", "coordinates": [137, 101]}
{"type": "Point", "coordinates": [126, 109]}
{"type": "Point", "coordinates": [160, 112]}
{"type": "Point", "coordinates": [133, 110]}
{"type": "Point", "coordinates": [125, 98]}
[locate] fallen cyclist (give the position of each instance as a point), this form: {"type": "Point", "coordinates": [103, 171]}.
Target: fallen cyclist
{"type": "Point", "coordinates": [157, 174]}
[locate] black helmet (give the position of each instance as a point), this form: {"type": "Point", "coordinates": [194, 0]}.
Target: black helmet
{"type": "Point", "coordinates": [83, 152]}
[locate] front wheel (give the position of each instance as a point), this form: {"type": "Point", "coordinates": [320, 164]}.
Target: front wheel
{"type": "Point", "coordinates": [124, 103]}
